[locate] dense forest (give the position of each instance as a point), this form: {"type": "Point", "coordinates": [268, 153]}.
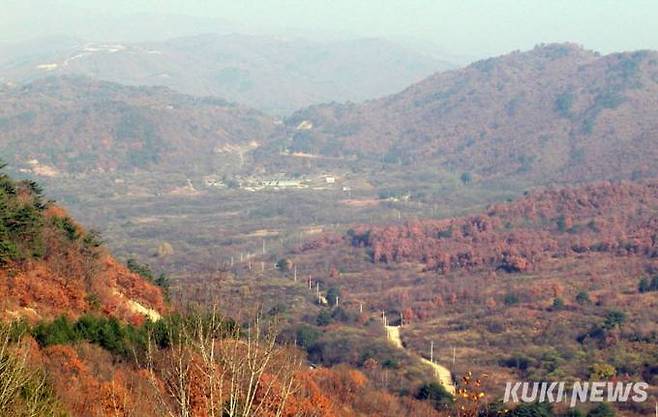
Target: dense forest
{"type": "Point", "coordinates": [558, 284]}
{"type": "Point", "coordinates": [555, 113]}
{"type": "Point", "coordinates": [619, 219]}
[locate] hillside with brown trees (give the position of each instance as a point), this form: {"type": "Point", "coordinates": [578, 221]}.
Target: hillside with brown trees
{"type": "Point", "coordinates": [554, 113]}
{"type": "Point", "coordinates": [50, 265]}
{"type": "Point", "coordinates": [76, 125]}
{"type": "Point", "coordinates": [619, 219]}
{"type": "Point", "coordinates": [84, 336]}
{"type": "Point", "coordinates": [559, 284]}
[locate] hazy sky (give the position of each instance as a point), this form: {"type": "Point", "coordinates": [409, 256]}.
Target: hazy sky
{"type": "Point", "coordinates": [468, 27]}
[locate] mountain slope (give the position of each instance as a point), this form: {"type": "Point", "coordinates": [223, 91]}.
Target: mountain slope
{"type": "Point", "coordinates": [559, 283]}
{"type": "Point", "coordinates": [73, 125]}
{"type": "Point", "coordinates": [277, 75]}
{"type": "Point", "coordinates": [49, 265]}
{"type": "Point", "coordinates": [555, 113]}
{"type": "Point", "coordinates": [619, 219]}
{"type": "Point", "coordinates": [81, 336]}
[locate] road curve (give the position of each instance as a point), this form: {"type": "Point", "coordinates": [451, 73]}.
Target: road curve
{"type": "Point", "coordinates": [443, 374]}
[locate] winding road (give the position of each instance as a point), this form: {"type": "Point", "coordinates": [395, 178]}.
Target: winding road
{"type": "Point", "coordinates": [442, 373]}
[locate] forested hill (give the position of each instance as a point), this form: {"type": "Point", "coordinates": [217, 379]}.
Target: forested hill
{"type": "Point", "coordinates": [555, 113]}
{"type": "Point", "coordinates": [73, 125]}
{"type": "Point", "coordinates": [82, 335]}
{"type": "Point", "coordinates": [617, 219]}
{"type": "Point", "coordinates": [50, 265]}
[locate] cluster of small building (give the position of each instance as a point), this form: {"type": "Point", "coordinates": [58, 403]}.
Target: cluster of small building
{"type": "Point", "coordinates": [274, 182]}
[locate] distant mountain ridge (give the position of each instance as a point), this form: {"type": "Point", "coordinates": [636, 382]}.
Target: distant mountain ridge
{"type": "Point", "coordinates": [555, 113]}
{"type": "Point", "coordinates": [73, 125]}
{"type": "Point", "coordinates": [273, 74]}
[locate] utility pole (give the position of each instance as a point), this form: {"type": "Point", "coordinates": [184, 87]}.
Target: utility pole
{"type": "Point", "coordinates": [317, 291]}
{"type": "Point", "coordinates": [432, 351]}
{"type": "Point", "coordinates": [454, 357]}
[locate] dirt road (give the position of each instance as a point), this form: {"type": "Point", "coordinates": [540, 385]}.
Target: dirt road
{"type": "Point", "coordinates": [442, 373]}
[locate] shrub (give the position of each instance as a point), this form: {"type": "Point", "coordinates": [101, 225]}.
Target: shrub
{"type": "Point", "coordinates": [66, 225]}
{"type": "Point", "coordinates": [142, 269]}
{"type": "Point", "coordinates": [446, 233]}
{"type": "Point", "coordinates": [58, 332]}
{"type": "Point", "coordinates": [511, 299]}
{"type": "Point", "coordinates": [307, 336]}
{"type": "Point", "coordinates": [558, 304]}
{"type": "Point", "coordinates": [324, 318]}
{"type": "Point", "coordinates": [614, 318]}
{"type": "Point", "coordinates": [24, 391]}
{"type": "Point", "coordinates": [517, 361]}
{"type": "Point", "coordinates": [647, 285]}
{"type": "Point", "coordinates": [163, 282]}
{"type": "Point", "coordinates": [390, 363]}
{"type": "Point", "coordinates": [284, 265]}
{"type": "Point", "coordinates": [92, 239]}
{"type": "Point", "coordinates": [532, 410]}
{"type": "Point", "coordinates": [339, 314]}
{"type": "Point", "coordinates": [601, 371]}
{"type": "Point", "coordinates": [333, 295]}
{"type": "Point", "coordinates": [582, 298]}
{"type": "Point", "coordinates": [435, 394]}
{"type": "Point", "coordinates": [601, 410]}
{"type": "Point", "coordinates": [108, 333]}
{"type": "Point", "coordinates": [561, 224]}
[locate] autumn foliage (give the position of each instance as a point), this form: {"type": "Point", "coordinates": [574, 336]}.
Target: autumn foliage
{"type": "Point", "coordinates": [614, 218]}
{"type": "Point", "coordinates": [556, 113]}
{"type": "Point", "coordinates": [50, 265]}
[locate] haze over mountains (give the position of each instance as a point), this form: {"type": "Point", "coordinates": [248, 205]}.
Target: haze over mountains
{"type": "Point", "coordinates": [556, 113]}
{"type": "Point", "coordinates": [504, 214]}
{"type": "Point", "coordinates": [273, 74]}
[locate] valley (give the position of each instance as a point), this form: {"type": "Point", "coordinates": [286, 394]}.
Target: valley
{"type": "Point", "coordinates": [506, 212]}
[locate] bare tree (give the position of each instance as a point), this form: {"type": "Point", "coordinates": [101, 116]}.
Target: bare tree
{"type": "Point", "coordinates": [241, 372]}
{"type": "Point", "coordinates": [24, 392]}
